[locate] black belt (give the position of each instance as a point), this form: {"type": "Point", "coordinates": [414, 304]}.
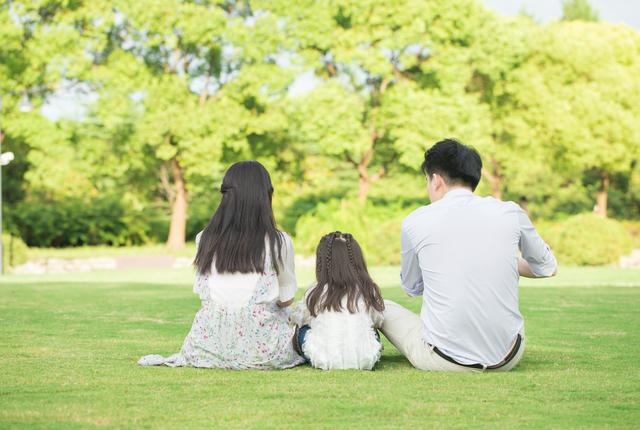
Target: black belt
{"type": "Point", "coordinates": [507, 359]}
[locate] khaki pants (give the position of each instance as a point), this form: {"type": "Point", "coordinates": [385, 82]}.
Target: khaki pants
{"type": "Point", "coordinates": [403, 328]}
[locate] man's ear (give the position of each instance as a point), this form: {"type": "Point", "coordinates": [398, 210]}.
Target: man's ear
{"type": "Point", "coordinates": [438, 181]}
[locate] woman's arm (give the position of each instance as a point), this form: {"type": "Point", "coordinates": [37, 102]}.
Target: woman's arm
{"type": "Point", "coordinates": [200, 284]}
{"type": "Point", "coordinates": [285, 303]}
{"type": "Point", "coordinates": [300, 315]}
{"type": "Point", "coordinates": [288, 285]}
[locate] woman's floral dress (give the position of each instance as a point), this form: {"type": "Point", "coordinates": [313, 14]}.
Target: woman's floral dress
{"type": "Point", "coordinates": [256, 335]}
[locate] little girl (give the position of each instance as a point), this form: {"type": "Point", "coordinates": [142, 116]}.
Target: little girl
{"type": "Point", "coordinates": [338, 316]}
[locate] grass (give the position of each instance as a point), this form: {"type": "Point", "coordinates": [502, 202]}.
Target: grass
{"type": "Point", "coordinates": [69, 345]}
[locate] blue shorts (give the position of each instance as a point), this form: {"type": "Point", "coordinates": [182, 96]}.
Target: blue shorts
{"type": "Point", "coordinates": [301, 334]}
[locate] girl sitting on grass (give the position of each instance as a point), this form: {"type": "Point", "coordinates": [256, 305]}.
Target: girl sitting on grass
{"type": "Point", "coordinates": [338, 316]}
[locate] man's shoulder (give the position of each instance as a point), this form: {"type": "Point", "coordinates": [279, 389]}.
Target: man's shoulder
{"type": "Point", "coordinates": [503, 204]}
{"type": "Point", "coordinates": [418, 216]}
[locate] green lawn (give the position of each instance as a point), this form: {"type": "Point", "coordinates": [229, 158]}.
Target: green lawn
{"type": "Point", "coordinates": [69, 344]}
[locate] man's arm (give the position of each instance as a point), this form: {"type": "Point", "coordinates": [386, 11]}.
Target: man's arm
{"type": "Point", "coordinates": [537, 259]}
{"type": "Point", "coordinates": [410, 272]}
{"type": "Point", "coordinates": [525, 270]}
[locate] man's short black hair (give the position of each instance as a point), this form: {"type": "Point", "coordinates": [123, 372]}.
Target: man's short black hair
{"type": "Point", "coordinates": [455, 162]}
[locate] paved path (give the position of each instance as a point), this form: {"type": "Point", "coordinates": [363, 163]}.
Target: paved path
{"type": "Point", "coordinates": [146, 261]}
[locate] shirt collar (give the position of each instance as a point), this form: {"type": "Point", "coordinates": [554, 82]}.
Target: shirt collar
{"type": "Point", "coordinates": [458, 192]}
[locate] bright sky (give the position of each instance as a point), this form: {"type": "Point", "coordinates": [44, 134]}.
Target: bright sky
{"type": "Point", "coordinates": [616, 11]}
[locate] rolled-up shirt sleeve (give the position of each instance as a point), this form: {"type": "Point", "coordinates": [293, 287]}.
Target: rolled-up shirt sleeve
{"type": "Point", "coordinates": [534, 249]}
{"type": "Point", "coordinates": [287, 282]}
{"type": "Point", "coordinates": [410, 272]}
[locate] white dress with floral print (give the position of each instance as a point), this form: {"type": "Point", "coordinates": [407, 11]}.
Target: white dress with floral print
{"type": "Point", "coordinates": [239, 325]}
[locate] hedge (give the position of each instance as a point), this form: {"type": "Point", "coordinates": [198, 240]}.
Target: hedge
{"type": "Point", "coordinates": [587, 240]}
{"type": "Point", "coordinates": [14, 251]}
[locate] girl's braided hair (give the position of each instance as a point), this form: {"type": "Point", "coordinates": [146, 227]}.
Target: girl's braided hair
{"type": "Point", "coordinates": [342, 272]}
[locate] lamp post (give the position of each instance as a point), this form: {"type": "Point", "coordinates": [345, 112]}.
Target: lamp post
{"type": "Point", "coordinates": [6, 158]}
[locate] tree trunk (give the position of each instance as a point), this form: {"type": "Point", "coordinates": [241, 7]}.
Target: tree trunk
{"type": "Point", "coordinates": [205, 91]}
{"type": "Point", "coordinates": [602, 196]}
{"type": "Point", "coordinates": [178, 226]}
{"type": "Point", "coordinates": [363, 189]}
{"type": "Point", "coordinates": [496, 187]}
{"type": "Point", "coordinates": [364, 179]}
{"type": "Point", "coordinates": [492, 173]}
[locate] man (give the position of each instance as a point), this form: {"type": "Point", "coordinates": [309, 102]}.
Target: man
{"type": "Point", "coordinates": [461, 254]}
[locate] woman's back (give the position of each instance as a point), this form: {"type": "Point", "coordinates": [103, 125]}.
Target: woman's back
{"type": "Point", "coordinates": [245, 276]}
{"type": "Point", "coordinates": [237, 289]}
{"type": "Point", "coordinates": [240, 326]}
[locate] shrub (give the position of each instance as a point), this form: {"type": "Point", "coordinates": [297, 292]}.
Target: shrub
{"type": "Point", "coordinates": [376, 228]}
{"type": "Point", "coordinates": [14, 251]}
{"type": "Point", "coordinates": [633, 227]}
{"type": "Point", "coordinates": [75, 222]}
{"type": "Point", "coordinates": [587, 240]}
{"type": "Point", "coordinates": [200, 212]}
{"type": "Point", "coordinates": [158, 225]}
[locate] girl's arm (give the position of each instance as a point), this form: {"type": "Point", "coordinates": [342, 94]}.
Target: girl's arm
{"type": "Point", "coordinates": [376, 317]}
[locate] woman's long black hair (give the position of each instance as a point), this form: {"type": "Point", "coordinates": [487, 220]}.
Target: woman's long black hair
{"type": "Point", "coordinates": [341, 271]}
{"type": "Point", "coordinates": [235, 236]}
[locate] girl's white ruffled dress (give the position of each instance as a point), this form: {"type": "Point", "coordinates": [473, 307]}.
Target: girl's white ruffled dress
{"type": "Point", "coordinates": [340, 340]}
{"type": "Point", "coordinates": [239, 325]}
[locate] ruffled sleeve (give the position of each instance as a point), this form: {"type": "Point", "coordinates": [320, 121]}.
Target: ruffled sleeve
{"type": "Point", "coordinates": [288, 285]}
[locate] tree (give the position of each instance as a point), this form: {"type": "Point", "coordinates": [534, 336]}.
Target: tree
{"type": "Point", "coordinates": [375, 61]}
{"type": "Point", "coordinates": [578, 10]}
{"type": "Point", "coordinates": [197, 88]}
{"type": "Point", "coordinates": [578, 94]}
{"type": "Point", "coordinates": [39, 50]}
{"type": "Point", "coordinates": [502, 45]}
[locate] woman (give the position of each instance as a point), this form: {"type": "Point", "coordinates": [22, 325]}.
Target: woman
{"type": "Point", "coordinates": [245, 279]}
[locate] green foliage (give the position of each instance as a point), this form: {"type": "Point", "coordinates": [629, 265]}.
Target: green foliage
{"type": "Point", "coordinates": [177, 91]}
{"type": "Point", "coordinates": [199, 215]}
{"type": "Point", "coordinates": [376, 228]}
{"type": "Point", "coordinates": [76, 222]}
{"type": "Point", "coordinates": [587, 240]}
{"type": "Point", "coordinates": [633, 228]}
{"type": "Point", "coordinates": [14, 251]}
{"type": "Point", "coordinates": [578, 10]}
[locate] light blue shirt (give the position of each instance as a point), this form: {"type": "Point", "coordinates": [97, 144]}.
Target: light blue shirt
{"type": "Point", "coordinates": [461, 254]}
